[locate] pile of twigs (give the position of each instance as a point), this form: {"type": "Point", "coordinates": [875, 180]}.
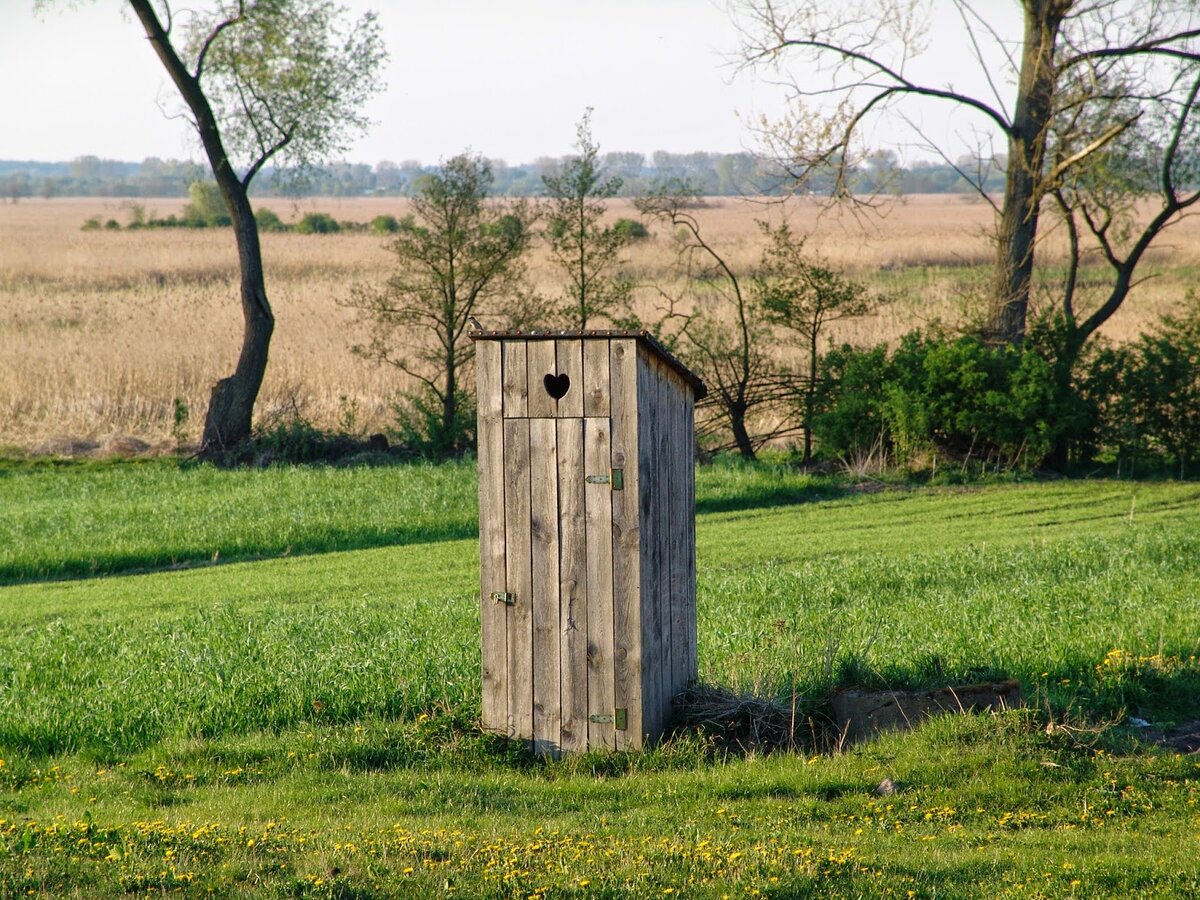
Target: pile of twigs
{"type": "Point", "coordinates": [744, 723]}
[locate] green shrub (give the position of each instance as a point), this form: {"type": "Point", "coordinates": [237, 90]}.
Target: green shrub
{"type": "Point", "coordinates": [112, 225]}
{"type": "Point", "coordinates": [294, 439]}
{"type": "Point", "coordinates": [951, 397]}
{"type": "Point", "coordinates": [385, 224]}
{"type": "Point", "coordinates": [92, 224]}
{"type": "Point", "coordinates": [419, 425]}
{"type": "Point", "coordinates": [630, 230]}
{"type": "Point", "coordinates": [1148, 395]}
{"type": "Point", "coordinates": [137, 216]}
{"type": "Point", "coordinates": [851, 400]}
{"type": "Point", "coordinates": [317, 223]}
{"type": "Point", "coordinates": [206, 207]}
{"type": "Point", "coordinates": [268, 220]}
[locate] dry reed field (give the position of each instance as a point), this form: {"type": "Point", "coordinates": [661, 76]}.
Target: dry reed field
{"type": "Point", "coordinates": [102, 331]}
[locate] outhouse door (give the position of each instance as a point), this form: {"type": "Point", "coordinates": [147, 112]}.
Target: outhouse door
{"type": "Point", "coordinates": [559, 542]}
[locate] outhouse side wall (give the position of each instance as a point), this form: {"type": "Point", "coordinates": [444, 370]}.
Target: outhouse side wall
{"type": "Point", "coordinates": [666, 450]}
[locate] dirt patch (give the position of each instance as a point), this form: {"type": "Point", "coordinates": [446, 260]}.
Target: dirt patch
{"type": "Point", "coordinates": [861, 715]}
{"type": "Point", "coordinates": [66, 446]}
{"type": "Point", "coordinates": [1183, 738]}
{"type": "Point", "coordinates": [125, 446]}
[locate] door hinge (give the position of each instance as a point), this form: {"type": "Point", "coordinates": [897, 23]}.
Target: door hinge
{"type": "Point", "coordinates": [620, 718]}
{"type": "Point", "coordinates": [508, 599]}
{"type": "Point", "coordinates": [614, 479]}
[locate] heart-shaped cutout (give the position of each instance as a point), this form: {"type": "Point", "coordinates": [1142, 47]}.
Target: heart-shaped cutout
{"type": "Point", "coordinates": [557, 385]}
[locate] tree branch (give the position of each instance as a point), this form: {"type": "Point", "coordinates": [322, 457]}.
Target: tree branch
{"type": "Point", "coordinates": [213, 35]}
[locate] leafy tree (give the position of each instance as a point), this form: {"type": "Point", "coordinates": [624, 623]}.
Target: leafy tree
{"type": "Point", "coordinates": [586, 251]}
{"type": "Point", "coordinates": [458, 255]}
{"type": "Point", "coordinates": [16, 186]}
{"type": "Point", "coordinates": [1097, 106]}
{"type": "Point", "coordinates": [804, 295]}
{"type": "Point", "coordinates": [261, 80]}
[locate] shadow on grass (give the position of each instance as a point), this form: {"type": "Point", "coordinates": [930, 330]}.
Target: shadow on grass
{"type": "Point", "coordinates": [330, 540]}
{"type": "Point", "coordinates": [767, 495]}
{"type": "Point", "coordinates": [722, 486]}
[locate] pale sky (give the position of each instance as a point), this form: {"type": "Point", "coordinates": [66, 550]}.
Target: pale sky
{"type": "Point", "coordinates": [505, 78]}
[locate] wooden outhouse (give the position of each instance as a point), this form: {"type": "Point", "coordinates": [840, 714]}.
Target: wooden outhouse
{"type": "Point", "coordinates": [587, 536]}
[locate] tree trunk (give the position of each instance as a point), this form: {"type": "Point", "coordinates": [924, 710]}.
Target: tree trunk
{"type": "Point", "coordinates": [231, 405]}
{"type": "Point", "coordinates": [741, 437]}
{"type": "Point", "coordinates": [810, 394]}
{"type": "Point", "coordinates": [450, 404]}
{"type": "Point", "coordinates": [1017, 229]}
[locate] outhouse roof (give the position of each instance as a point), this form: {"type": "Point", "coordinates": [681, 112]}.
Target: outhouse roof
{"type": "Point", "coordinates": [645, 338]}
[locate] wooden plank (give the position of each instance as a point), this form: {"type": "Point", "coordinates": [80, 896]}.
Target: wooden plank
{"type": "Point", "coordinates": [540, 363]}
{"type": "Point", "coordinates": [627, 618]}
{"type": "Point", "coordinates": [517, 561]}
{"type": "Point", "coordinates": [543, 489]}
{"type": "Point", "coordinates": [648, 488]}
{"type": "Point", "coordinates": [689, 451]}
{"type": "Point", "coordinates": [492, 576]}
{"type": "Point", "coordinates": [597, 454]}
{"type": "Point", "coordinates": [569, 356]}
{"type": "Point", "coordinates": [679, 459]}
{"type": "Point", "coordinates": [660, 559]}
{"type": "Point", "coordinates": [595, 377]}
{"type": "Point", "coordinates": [573, 609]}
{"type": "Point", "coordinates": [515, 383]}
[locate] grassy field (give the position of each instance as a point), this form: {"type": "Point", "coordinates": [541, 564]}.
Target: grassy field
{"type": "Point", "coordinates": [104, 330]}
{"type": "Point", "coordinates": [301, 722]}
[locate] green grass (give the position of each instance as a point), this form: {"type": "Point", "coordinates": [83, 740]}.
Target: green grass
{"type": "Point", "coordinates": [303, 725]}
{"type": "Point", "coordinates": [86, 519]}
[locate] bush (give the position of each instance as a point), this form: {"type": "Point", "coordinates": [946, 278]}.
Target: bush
{"type": "Point", "coordinates": [112, 225]}
{"type": "Point", "coordinates": [268, 220]}
{"type": "Point", "coordinates": [851, 401]}
{"type": "Point", "coordinates": [1148, 395]}
{"type": "Point", "coordinates": [630, 230]}
{"type": "Point", "coordinates": [953, 397]}
{"type": "Point", "coordinates": [419, 425]}
{"type": "Point", "coordinates": [92, 224]}
{"type": "Point", "coordinates": [385, 224]}
{"type": "Point", "coordinates": [206, 207]}
{"type": "Point", "coordinates": [317, 223]}
{"type": "Point", "coordinates": [295, 440]}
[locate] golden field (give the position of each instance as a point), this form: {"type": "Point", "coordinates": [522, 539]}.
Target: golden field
{"type": "Point", "coordinates": [101, 331]}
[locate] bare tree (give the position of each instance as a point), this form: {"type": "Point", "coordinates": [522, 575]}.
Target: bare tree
{"type": "Point", "coordinates": [262, 81]}
{"type": "Point", "coordinates": [725, 331]}
{"type": "Point", "coordinates": [1093, 86]}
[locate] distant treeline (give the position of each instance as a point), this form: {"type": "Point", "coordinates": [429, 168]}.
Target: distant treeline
{"type": "Point", "coordinates": [712, 174]}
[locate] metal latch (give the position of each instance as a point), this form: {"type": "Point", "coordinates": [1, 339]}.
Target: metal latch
{"type": "Point", "coordinates": [615, 478]}
{"type": "Point", "coordinates": [508, 599]}
{"type": "Point", "coordinates": [620, 718]}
